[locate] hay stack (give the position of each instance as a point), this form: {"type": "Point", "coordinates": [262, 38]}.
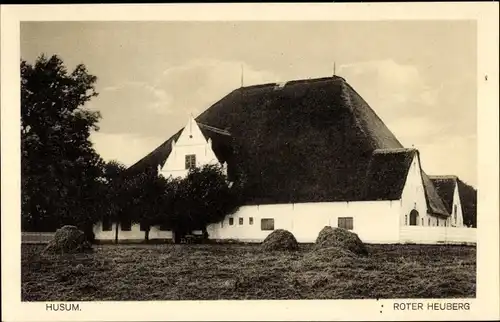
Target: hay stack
{"type": "Point", "coordinates": [328, 257]}
{"type": "Point", "coordinates": [341, 238]}
{"type": "Point", "coordinates": [68, 239]}
{"type": "Point", "coordinates": [331, 252]}
{"type": "Point", "coordinates": [280, 239]}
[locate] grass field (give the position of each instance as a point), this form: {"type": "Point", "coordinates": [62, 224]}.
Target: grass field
{"type": "Point", "coordinates": [209, 272]}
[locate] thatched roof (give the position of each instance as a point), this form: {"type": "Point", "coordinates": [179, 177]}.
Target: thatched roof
{"type": "Point", "coordinates": [445, 187]}
{"type": "Point", "coordinates": [389, 166]}
{"type": "Point", "coordinates": [307, 141]}
{"type": "Point", "coordinates": [434, 203]}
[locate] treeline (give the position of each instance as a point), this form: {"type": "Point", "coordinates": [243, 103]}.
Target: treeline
{"type": "Point", "coordinates": [468, 199]}
{"type": "Point", "coordinates": [64, 181]}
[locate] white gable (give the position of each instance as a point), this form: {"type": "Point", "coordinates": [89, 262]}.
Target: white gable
{"type": "Point", "coordinates": [191, 144]}
{"type": "Point", "coordinates": [191, 135]}
{"type": "Point", "coordinates": [413, 195]}
{"type": "Point", "coordinates": [456, 210]}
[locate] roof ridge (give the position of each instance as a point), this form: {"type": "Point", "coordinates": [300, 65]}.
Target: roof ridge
{"type": "Point", "coordinates": [294, 81]}
{"type": "Point", "coordinates": [445, 176]}
{"type": "Point", "coordinates": [393, 150]}
{"type": "Point", "coordinates": [214, 129]}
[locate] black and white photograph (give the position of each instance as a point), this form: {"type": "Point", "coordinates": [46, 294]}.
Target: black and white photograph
{"type": "Point", "coordinates": [247, 160]}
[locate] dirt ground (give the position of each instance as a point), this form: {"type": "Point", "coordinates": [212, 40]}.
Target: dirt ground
{"type": "Point", "coordinates": [210, 272]}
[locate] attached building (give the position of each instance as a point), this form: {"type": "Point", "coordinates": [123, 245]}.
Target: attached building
{"type": "Point", "coordinates": [458, 198]}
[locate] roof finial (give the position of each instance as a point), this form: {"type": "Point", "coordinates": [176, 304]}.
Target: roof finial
{"type": "Point", "coordinates": [334, 69]}
{"type": "Point", "coordinates": [191, 123]}
{"type": "Point", "coordinates": [242, 75]}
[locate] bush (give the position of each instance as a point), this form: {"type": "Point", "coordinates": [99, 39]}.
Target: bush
{"type": "Point", "coordinates": [68, 239]}
{"type": "Point", "coordinates": [280, 240]}
{"type": "Point", "coordinates": [342, 238]}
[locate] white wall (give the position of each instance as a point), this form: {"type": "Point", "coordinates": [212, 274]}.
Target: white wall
{"type": "Point", "coordinates": [374, 222]}
{"type": "Point", "coordinates": [36, 237]}
{"type": "Point", "coordinates": [413, 197]}
{"type": "Point", "coordinates": [434, 235]}
{"type": "Point", "coordinates": [135, 233]}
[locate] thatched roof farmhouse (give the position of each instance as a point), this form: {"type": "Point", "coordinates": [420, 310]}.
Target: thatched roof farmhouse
{"type": "Point", "coordinates": [311, 153]}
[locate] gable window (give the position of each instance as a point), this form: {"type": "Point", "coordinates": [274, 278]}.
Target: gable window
{"type": "Point", "coordinates": [240, 221]}
{"type": "Point", "coordinates": [106, 224]}
{"type": "Point", "coordinates": [267, 224]}
{"type": "Point", "coordinates": [231, 221]}
{"type": "Point", "coordinates": [126, 225]}
{"type": "Point", "coordinates": [455, 213]}
{"type": "Point", "coordinates": [422, 221]}
{"type": "Point", "coordinates": [346, 223]}
{"type": "Point", "coordinates": [190, 161]}
{"type": "Point", "coordinates": [250, 220]}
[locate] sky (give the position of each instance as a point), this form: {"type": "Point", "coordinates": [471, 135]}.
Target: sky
{"type": "Point", "coordinates": [419, 77]}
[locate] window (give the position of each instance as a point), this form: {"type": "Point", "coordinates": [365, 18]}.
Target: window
{"type": "Point", "coordinates": [126, 225]}
{"type": "Point", "coordinates": [345, 222]}
{"type": "Point", "coordinates": [422, 221]}
{"type": "Point", "coordinates": [240, 221]}
{"type": "Point", "coordinates": [455, 213]}
{"type": "Point", "coordinates": [250, 220]}
{"type": "Point", "coordinates": [190, 161]}
{"type": "Point", "coordinates": [231, 221]}
{"type": "Point", "coordinates": [267, 224]}
{"type": "Point", "coordinates": [429, 222]}
{"type": "Point", "coordinates": [406, 220]}
{"type": "Point", "coordinates": [106, 224]}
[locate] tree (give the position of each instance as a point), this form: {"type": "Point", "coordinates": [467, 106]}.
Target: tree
{"type": "Point", "coordinates": [202, 198]}
{"type": "Point", "coordinates": [146, 197]}
{"type": "Point", "coordinates": [113, 170]}
{"type": "Point", "coordinates": [112, 196]}
{"type": "Point", "coordinates": [60, 168]}
{"type": "Point", "coordinates": [468, 198]}
{"type": "Point", "coordinates": [178, 208]}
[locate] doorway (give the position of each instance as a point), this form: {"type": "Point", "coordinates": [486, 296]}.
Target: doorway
{"type": "Point", "coordinates": [413, 217]}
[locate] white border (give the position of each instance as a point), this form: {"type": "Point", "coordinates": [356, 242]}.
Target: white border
{"type": "Point", "coordinates": [487, 302]}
